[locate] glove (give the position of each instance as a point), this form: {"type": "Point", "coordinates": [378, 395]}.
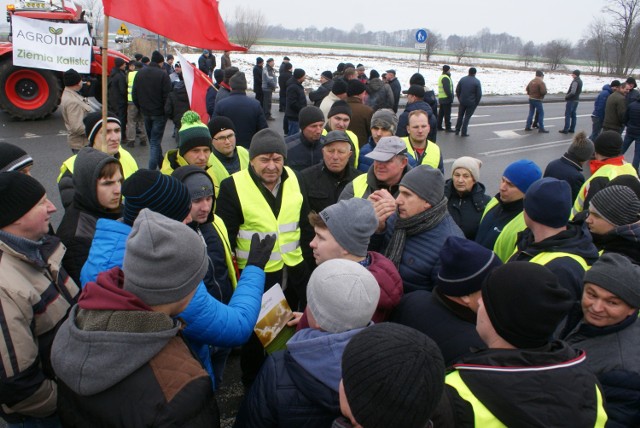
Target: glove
{"type": "Point", "coordinates": [260, 250]}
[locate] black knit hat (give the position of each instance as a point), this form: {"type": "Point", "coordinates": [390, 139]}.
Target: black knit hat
{"type": "Point", "coordinates": [119, 62]}
{"type": "Point", "coordinates": [267, 141]}
{"type": "Point", "coordinates": [309, 115]}
{"type": "Point", "coordinates": [156, 57]}
{"type": "Point", "coordinates": [259, 60]}
{"type": "Point", "coordinates": [618, 205]}
{"type": "Point", "coordinates": [393, 376]}
{"type": "Point", "coordinates": [581, 147]}
{"type": "Point", "coordinates": [340, 106]}
{"type": "Point", "coordinates": [93, 124]}
{"type": "Point", "coordinates": [327, 75]}
{"type": "Point", "coordinates": [13, 158]}
{"type": "Point", "coordinates": [298, 73]}
{"type": "Point", "coordinates": [19, 193]}
{"type": "Point", "coordinates": [417, 79]}
{"type": "Point", "coordinates": [355, 87]}
{"type": "Point", "coordinates": [220, 123]}
{"type": "Point", "coordinates": [158, 192]}
{"type": "Point", "coordinates": [609, 144]}
{"type": "Point", "coordinates": [193, 133]}
{"type": "Point", "coordinates": [71, 77]}
{"type": "Point", "coordinates": [229, 72]}
{"type": "Point", "coordinates": [464, 265]}
{"type": "Point", "coordinates": [548, 202]}
{"type": "Point", "coordinates": [525, 303]}
{"type": "Point", "coordinates": [339, 87]}
{"type": "Point", "coordinates": [373, 74]}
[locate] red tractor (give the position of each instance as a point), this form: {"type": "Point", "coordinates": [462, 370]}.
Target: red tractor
{"type": "Point", "coordinates": [34, 93]}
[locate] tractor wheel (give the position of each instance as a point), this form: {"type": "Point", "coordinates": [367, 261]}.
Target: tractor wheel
{"type": "Point", "coordinates": [28, 93]}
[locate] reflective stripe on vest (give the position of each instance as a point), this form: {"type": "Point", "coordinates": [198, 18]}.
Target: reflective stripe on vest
{"type": "Point", "coordinates": [482, 417]}
{"type": "Point", "coordinates": [431, 153]}
{"type": "Point", "coordinates": [218, 170]}
{"type": "Point", "coordinates": [360, 186]}
{"type": "Point", "coordinates": [130, 77]}
{"type": "Point", "coordinates": [221, 229]}
{"type": "Point", "coordinates": [355, 145]}
{"type": "Point", "coordinates": [609, 171]}
{"type": "Point", "coordinates": [259, 218]}
{"type": "Point", "coordinates": [441, 92]}
{"type": "Point", "coordinates": [167, 168]}
{"type": "Point", "coordinates": [492, 203]}
{"type": "Point", "coordinates": [544, 258]}
{"type": "Point", "coordinates": [129, 164]}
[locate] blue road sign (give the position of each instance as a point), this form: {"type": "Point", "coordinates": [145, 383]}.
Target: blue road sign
{"type": "Point", "coordinates": [421, 35]}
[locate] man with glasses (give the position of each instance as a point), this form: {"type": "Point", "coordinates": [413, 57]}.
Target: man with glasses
{"type": "Point", "coordinates": [322, 183]}
{"type": "Point", "coordinates": [226, 157]}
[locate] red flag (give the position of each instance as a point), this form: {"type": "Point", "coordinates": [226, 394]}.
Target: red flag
{"type": "Point", "coordinates": [197, 83]}
{"type": "Point", "coordinates": [191, 22]}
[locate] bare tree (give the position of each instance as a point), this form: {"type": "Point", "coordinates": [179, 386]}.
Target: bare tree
{"type": "Point", "coordinates": [596, 43]}
{"type": "Point", "coordinates": [459, 45]}
{"type": "Point", "coordinates": [556, 51]}
{"type": "Point", "coordinates": [94, 14]}
{"type": "Point", "coordinates": [623, 31]}
{"type": "Point", "coordinates": [249, 26]}
{"type": "Point", "coordinates": [528, 52]}
{"type": "Point", "coordinates": [433, 42]}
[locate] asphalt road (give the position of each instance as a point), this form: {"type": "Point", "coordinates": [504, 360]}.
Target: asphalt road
{"type": "Point", "coordinates": [497, 138]}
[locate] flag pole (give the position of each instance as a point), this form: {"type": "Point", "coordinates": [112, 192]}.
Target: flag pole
{"type": "Point", "coordinates": [105, 71]}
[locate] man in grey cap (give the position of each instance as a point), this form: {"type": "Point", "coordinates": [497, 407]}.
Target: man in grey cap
{"type": "Point", "coordinates": [417, 230]}
{"type": "Point", "coordinates": [610, 334]}
{"type": "Point", "coordinates": [390, 164]}
{"type": "Point", "coordinates": [384, 123]}
{"type": "Point", "coordinates": [322, 183]}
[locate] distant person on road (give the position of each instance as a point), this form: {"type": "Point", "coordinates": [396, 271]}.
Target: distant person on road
{"type": "Point", "coordinates": [429, 95]}
{"type": "Point", "coordinates": [633, 94]}
{"type": "Point", "coordinates": [225, 60]}
{"type": "Point", "coordinates": [135, 121]}
{"type": "Point", "coordinates": [257, 79]}
{"type": "Point", "coordinates": [284, 74]}
{"type": "Point", "coordinates": [245, 113]}
{"type": "Point", "coordinates": [338, 92]}
{"type": "Point", "coordinates": [151, 89]}
{"type": "Point", "coordinates": [204, 62]}
{"type": "Point", "coordinates": [615, 109]}
{"type": "Point", "coordinates": [572, 98]}
{"type": "Point", "coordinates": [269, 84]}
{"type": "Point", "coordinates": [536, 89]}
{"type": "Point", "coordinates": [360, 123]}
{"type": "Point", "coordinates": [632, 122]}
{"type": "Point", "coordinates": [569, 166]}
{"type": "Point", "coordinates": [225, 88]}
{"type": "Point", "coordinates": [296, 100]}
{"type": "Point", "coordinates": [74, 108]}
{"type": "Point", "coordinates": [396, 88]}
{"type": "Point", "coordinates": [597, 117]}
{"type": "Point", "coordinates": [445, 99]}
{"type": "Point", "coordinates": [469, 93]}
{"type": "Point", "coordinates": [117, 95]}
{"type": "Point", "coordinates": [379, 93]}
{"type": "Point", "coordinates": [326, 83]}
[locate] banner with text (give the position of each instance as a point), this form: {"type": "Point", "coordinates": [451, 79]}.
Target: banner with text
{"type": "Point", "coordinates": [51, 45]}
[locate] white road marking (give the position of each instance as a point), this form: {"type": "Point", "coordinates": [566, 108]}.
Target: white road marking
{"type": "Point", "coordinates": [512, 150]}
{"type": "Point", "coordinates": [30, 135]}
{"type": "Point", "coordinates": [519, 121]}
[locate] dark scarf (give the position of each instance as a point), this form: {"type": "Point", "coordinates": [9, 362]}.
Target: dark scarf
{"type": "Point", "coordinates": [415, 225]}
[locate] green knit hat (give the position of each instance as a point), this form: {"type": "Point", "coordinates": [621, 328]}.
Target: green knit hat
{"type": "Point", "coordinates": [193, 133]}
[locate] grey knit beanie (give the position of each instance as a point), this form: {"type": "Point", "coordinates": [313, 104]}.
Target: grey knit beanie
{"type": "Point", "coordinates": [238, 82]}
{"type": "Point", "coordinates": [342, 295]}
{"type": "Point", "coordinates": [164, 260]}
{"type": "Point", "coordinates": [618, 205]}
{"type": "Point", "coordinates": [581, 147]}
{"type": "Point", "coordinates": [267, 141]}
{"type": "Point", "coordinates": [426, 182]}
{"type": "Point", "coordinates": [351, 222]}
{"type": "Point", "coordinates": [385, 118]}
{"type": "Point", "coordinates": [470, 164]}
{"type": "Point", "coordinates": [618, 275]}
{"type": "Point", "coordinates": [309, 115]}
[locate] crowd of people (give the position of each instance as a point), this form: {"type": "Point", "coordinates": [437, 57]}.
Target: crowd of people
{"type": "Point", "coordinates": [418, 299]}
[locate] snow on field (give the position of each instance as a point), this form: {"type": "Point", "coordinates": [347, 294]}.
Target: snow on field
{"type": "Point", "coordinates": [495, 80]}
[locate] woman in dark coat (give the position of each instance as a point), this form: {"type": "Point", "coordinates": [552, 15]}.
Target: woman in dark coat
{"type": "Point", "coordinates": [467, 197]}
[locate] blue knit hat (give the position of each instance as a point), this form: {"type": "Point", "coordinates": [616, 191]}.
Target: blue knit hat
{"type": "Point", "coordinates": [159, 192]}
{"type": "Point", "coordinates": [548, 202]}
{"type": "Point", "coordinates": [464, 265]}
{"type": "Point", "coordinates": [522, 174]}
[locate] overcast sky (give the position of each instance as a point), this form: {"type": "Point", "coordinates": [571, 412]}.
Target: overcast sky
{"type": "Point", "coordinates": [536, 20]}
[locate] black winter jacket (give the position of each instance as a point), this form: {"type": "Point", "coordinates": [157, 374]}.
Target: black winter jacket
{"type": "Point", "coordinates": [632, 118]}
{"type": "Point", "coordinates": [245, 113]}
{"type": "Point", "coordinates": [466, 210]}
{"type": "Point", "coordinates": [151, 88]}
{"type": "Point", "coordinates": [322, 187]}
{"type": "Point", "coordinates": [318, 95]}
{"type": "Point", "coordinates": [469, 91]}
{"type": "Point", "coordinates": [118, 91]}
{"type": "Point", "coordinates": [177, 104]}
{"type": "Point", "coordinates": [403, 120]}
{"type": "Point", "coordinates": [302, 153]}
{"type": "Point", "coordinates": [296, 99]}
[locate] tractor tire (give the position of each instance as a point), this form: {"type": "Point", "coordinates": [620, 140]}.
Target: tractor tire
{"type": "Point", "coordinates": [28, 93]}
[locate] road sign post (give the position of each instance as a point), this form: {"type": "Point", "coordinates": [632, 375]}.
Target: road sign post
{"type": "Point", "coordinates": [421, 39]}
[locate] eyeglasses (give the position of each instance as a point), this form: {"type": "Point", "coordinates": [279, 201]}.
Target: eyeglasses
{"type": "Point", "coordinates": [222, 138]}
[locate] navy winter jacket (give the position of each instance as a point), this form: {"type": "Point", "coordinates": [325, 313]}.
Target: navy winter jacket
{"type": "Point", "coordinates": [601, 101]}
{"type": "Point", "coordinates": [403, 120]}
{"type": "Point", "coordinates": [245, 113]}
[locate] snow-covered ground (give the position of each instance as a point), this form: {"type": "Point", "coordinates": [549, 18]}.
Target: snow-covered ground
{"type": "Point", "coordinates": [495, 80]}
